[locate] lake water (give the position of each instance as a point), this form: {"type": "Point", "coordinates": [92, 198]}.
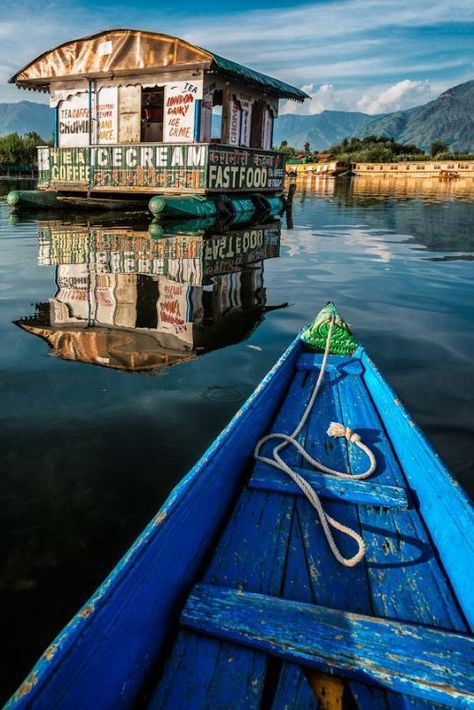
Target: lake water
{"type": "Point", "coordinates": [124, 354]}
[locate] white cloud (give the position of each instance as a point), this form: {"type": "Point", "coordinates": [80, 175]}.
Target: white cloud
{"type": "Point", "coordinates": [404, 94]}
{"type": "Point", "coordinates": [338, 49]}
{"type": "Point", "coordinates": [322, 98]}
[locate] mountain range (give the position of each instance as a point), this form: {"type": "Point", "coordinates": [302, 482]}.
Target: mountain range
{"type": "Point", "coordinates": [448, 118]}
{"type": "Point", "coordinates": [26, 116]}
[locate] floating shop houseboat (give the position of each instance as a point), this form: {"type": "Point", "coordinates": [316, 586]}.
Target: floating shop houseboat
{"type": "Point", "coordinates": [140, 114]}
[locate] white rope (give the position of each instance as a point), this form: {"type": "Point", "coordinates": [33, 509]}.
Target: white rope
{"type": "Point", "coordinates": [335, 430]}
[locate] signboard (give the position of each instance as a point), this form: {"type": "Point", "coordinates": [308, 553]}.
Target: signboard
{"type": "Point", "coordinates": [180, 167]}
{"type": "Point", "coordinates": [130, 98]}
{"type": "Point", "coordinates": [73, 121]}
{"type": "Point", "coordinates": [193, 167]}
{"type": "Point", "coordinates": [246, 106]}
{"type": "Point", "coordinates": [239, 169]}
{"type": "Point", "coordinates": [235, 119]}
{"type": "Point", "coordinates": [180, 111]}
{"type": "Point", "coordinates": [268, 128]}
{"type": "Point", "coordinates": [105, 124]}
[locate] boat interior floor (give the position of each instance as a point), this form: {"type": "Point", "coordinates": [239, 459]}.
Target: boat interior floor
{"type": "Point", "coordinates": [264, 628]}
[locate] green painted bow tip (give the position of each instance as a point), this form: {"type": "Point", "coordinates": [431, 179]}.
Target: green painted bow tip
{"type": "Point", "coordinates": [342, 340]}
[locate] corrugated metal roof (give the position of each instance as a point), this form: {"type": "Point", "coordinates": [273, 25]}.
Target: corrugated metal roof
{"type": "Point", "coordinates": [250, 76]}
{"type": "Point", "coordinates": [81, 57]}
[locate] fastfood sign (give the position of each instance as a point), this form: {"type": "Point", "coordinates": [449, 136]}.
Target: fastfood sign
{"type": "Point", "coordinates": [243, 169]}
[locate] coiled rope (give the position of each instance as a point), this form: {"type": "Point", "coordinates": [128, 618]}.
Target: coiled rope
{"type": "Point", "coordinates": [335, 430]}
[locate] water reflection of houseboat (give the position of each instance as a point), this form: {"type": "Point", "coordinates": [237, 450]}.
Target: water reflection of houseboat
{"type": "Point", "coordinates": [131, 302]}
{"type": "Point", "coordinates": [141, 114]}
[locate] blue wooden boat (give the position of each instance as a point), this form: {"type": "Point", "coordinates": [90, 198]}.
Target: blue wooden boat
{"type": "Point", "coordinates": [236, 595]}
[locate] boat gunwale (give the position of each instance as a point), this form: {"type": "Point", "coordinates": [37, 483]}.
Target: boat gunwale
{"type": "Point", "coordinates": [459, 508]}
{"type": "Point", "coordinates": [62, 646]}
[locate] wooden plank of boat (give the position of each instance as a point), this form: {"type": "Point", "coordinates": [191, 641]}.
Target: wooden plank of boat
{"type": "Point", "coordinates": [329, 487]}
{"type": "Point", "coordinates": [410, 658]}
{"type": "Point", "coordinates": [270, 542]}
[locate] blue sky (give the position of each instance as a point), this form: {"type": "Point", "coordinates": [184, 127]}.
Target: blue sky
{"type": "Point", "coordinates": [366, 55]}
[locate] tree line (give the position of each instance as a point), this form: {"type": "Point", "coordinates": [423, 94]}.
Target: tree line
{"type": "Point", "coordinates": [377, 149]}
{"type": "Point", "coordinates": [20, 150]}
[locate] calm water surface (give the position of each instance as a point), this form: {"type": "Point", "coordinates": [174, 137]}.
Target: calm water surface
{"type": "Point", "coordinates": [97, 426]}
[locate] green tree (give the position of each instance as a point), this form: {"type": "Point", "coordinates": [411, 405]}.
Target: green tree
{"type": "Point", "coordinates": [11, 148]}
{"type": "Point", "coordinates": [307, 147]}
{"type": "Point", "coordinates": [437, 147]}
{"type": "Point", "coordinates": [20, 150]}
{"type": "Point", "coordinates": [287, 149]}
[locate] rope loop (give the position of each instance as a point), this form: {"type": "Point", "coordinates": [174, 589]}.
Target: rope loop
{"type": "Point", "coordinates": [335, 430]}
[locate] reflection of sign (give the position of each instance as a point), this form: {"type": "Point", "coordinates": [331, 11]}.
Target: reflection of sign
{"type": "Point", "coordinates": [231, 251]}
{"type": "Point", "coordinates": [180, 109]}
{"type": "Point", "coordinates": [174, 309]}
{"type": "Point", "coordinates": [239, 169]}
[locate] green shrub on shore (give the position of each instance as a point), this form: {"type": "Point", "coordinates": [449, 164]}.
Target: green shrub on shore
{"type": "Point", "coordinates": [20, 150]}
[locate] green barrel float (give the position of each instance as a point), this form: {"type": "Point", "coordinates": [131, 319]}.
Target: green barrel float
{"type": "Point", "coordinates": [182, 206]}
{"type": "Point", "coordinates": [155, 229]}
{"type": "Point", "coordinates": [242, 208]}
{"type": "Point", "coordinates": [277, 204]}
{"type": "Point", "coordinates": [32, 199]}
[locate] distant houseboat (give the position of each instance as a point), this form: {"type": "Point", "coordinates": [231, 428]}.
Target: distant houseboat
{"type": "Point", "coordinates": [140, 114]}
{"type": "Point", "coordinates": [417, 168]}
{"type": "Point", "coordinates": [329, 168]}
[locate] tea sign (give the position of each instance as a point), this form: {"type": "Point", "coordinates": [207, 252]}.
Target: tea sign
{"type": "Point", "coordinates": [180, 110]}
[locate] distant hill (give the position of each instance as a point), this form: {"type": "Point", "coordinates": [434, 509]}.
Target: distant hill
{"type": "Point", "coordinates": [320, 129]}
{"type": "Point", "coordinates": [26, 116]}
{"type": "Point", "coordinates": [448, 118]}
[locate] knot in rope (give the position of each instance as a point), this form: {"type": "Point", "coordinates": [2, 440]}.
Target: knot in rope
{"type": "Point", "coordinates": [335, 430]}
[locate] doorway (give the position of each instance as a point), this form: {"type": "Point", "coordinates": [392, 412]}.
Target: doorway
{"type": "Point", "coordinates": [152, 114]}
